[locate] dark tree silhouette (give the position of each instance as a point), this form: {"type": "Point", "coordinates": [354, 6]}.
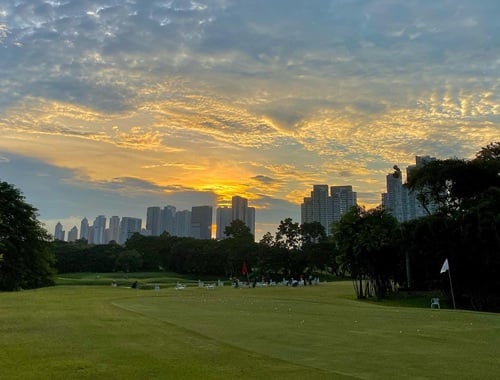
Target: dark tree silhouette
{"type": "Point", "coordinates": [25, 259]}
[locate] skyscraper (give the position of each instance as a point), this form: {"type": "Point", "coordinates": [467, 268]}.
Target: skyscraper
{"type": "Point", "coordinates": [318, 207]}
{"type": "Point", "coordinates": [239, 210]}
{"type": "Point", "coordinates": [99, 230]}
{"type": "Point", "coordinates": [224, 217]}
{"type": "Point", "coordinates": [396, 198]}
{"type": "Point", "coordinates": [306, 211]}
{"type": "Point", "coordinates": [114, 229]}
{"type": "Point", "coordinates": [415, 208]}
{"type": "Point", "coordinates": [168, 220]}
{"type": "Point", "coordinates": [239, 207]}
{"type": "Point", "coordinates": [73, 234]}
{"type": "Point", "coordinates": [128, 227]}
{"type": "Point", "coordinates": [84, 229]}
{"type": "Point", "coordinates": [343, 199]}
{"type": "Point", "coordinates": [201, 222]}
{"type": "Point", "coordinates": [327, 208]}
{"type": "Point", "coordinates": [399, 201]}
{"type": "Point", "coordinates": [153, 221]}
{"type": "Point", "coordinates": [250, 222]}
{"type": "Point", "coordinates": [59, 232]}
{"type": "Point", "coordinates": [183, 223]}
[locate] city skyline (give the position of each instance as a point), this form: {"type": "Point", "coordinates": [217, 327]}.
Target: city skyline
{"type": "Point", "coordinates": [113, 106]}
{"type": "Point", "coordinates": [196, 223]}
{"type": "Point", "coordinates": [325, 204]}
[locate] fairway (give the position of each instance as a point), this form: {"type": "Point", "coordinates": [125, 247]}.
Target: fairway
{"type": "Point", "coordinates": [314, 332]}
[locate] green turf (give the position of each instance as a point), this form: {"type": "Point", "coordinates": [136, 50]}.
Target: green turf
{"type": "Point", "coordinates": [320, 332]}
{"type": "Point", "coordinates": [124, 279]}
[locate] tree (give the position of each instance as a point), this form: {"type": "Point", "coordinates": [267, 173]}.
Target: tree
{"type": "Point", "coordinates": [25, 259]}
{"type": "Point", "coordinates": [238, 230]}
{"type": "Point", "coordinates": [368, 250]}
{"type": "Point", "coordinates": [490, 152]}
{"type": "Point", "coordinates": [267, 239]}
{"type": "Point", "coordinates": [455, 184]}
{"type": "Point", "coordinates": [238, 247]}
{"type": "Point", "coordinates": [312, 232]}
{"type": "Point", "coordinates": [128, 261]}
{"type": "Point", "coordinates": [466, 231]}
{"type": "Point", "coordinates": [288, 235]}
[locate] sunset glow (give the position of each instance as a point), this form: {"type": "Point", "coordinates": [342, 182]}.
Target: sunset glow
{"type": "Point", "coordinates": [108, 107]}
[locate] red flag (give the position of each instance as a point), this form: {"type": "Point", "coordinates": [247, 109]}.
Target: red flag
{"type": "Point", "coordinates": [244, 268]}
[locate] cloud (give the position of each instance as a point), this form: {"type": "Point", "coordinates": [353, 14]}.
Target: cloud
{"type": "Point", "coordinates": [228, 97]}
{"type": "Point", "coordinates": [264, 179]}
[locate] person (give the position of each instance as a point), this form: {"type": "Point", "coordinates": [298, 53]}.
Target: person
{"type": "Point", "coordinates": [134, 285]}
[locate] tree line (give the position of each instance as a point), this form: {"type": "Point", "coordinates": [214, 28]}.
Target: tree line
{"type": "Point", "coordinates": [379, 254]}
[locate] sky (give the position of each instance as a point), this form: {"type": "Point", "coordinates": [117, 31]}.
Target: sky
{"type": "Point", "coordinates": [109, 107]}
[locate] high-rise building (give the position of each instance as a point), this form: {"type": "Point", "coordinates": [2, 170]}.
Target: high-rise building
{"type": "Point", "coordinates": [84, 229]}
{"type": "Point", "coordinates": [343, 199]}
{"type": "Point", "coordinates": [114, 229]}
{"type": "Point", "coordinates": [239, 210]}
{"type": "Point", "coordinates": [306, 211]}
{"type": "Point", "coordinates": [128, 227]}
{"type": "Point", "coordinates": [153, 221]}
{"type": "Point", "coordinates": [224, 217]}
{"type": "Point", "coordinates": [415, 208]}
{"type": "Point", "coordinates": [183, 223]}
{"type": "Point", "coordinates": [318, 207]}
{"type": "Point", "coordinates": [91, 235]}
{"type": "Point", "coordinates": [201, 222]}
{"type": "Point", "coordinates": [59, 233]}
{"type": "Point", "coordinates": [99, 230]}
{"type": "Point", "coordinates": [327, 208]}
{"type": "Point", "coordinates": [250, 222]}
{"type": "Point", "coordinates": [398, 200]}
{"type": "Point", "coordinates": [168, 220]}
{"type": "Point", "coordinates": [73, 234]}
{"type": "Point", "coordinates": [239, 207]}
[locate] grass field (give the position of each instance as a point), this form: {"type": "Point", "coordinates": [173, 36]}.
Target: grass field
{"type": "Point", "coordinates": [318, 332]}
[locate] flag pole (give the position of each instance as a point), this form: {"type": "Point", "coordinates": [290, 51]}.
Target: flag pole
{"type": "Point", "coordinates": [444, 268]}
{"type": "Point", "coordinates": [451, 288]}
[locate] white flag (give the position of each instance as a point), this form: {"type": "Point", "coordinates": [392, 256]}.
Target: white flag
{"type": "Point", "coordinates": [445, 266]}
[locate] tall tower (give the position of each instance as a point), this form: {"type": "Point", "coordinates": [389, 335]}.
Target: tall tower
{"type": "Point", "coordinates": [114, 229]}
{"type": "Point", "coordinates": [241, 211]}
{"type": "Point", "coordinates": [415, 208]}
{"type": "Point", "coordinates": [59, 232]}
{"type": "Point", "coordinates": [322, 209]}
{"type": "Point", "coordinates": [99, 230]}
{"type": "Point", "coordinates": [343, 199]}
{"type": "Point", "coordinates": [84, 229]}
{"type": "Point", "coordinates": [224, 217]}
{"type": "Point", "coordinates": [201, 222]}
{"type": "Point", "coordinates": [167, 220]}
{"type": "Point", "coordinates": [183, 223]}
{"type": "Point", "coordinates": [128, 227]}
{"type": "Point", "coordinates": [73, 234]}
{"type": "Point", "coordinates": [239, 206]}
{"type": "Point", "coordinates": [153, 221]}
{"type": "Point", "coordinates": [250, 222]}
{"type": "Point", "coordinates": [306, 211]}
{"type": "Point", "coordinates": [396, 198]}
